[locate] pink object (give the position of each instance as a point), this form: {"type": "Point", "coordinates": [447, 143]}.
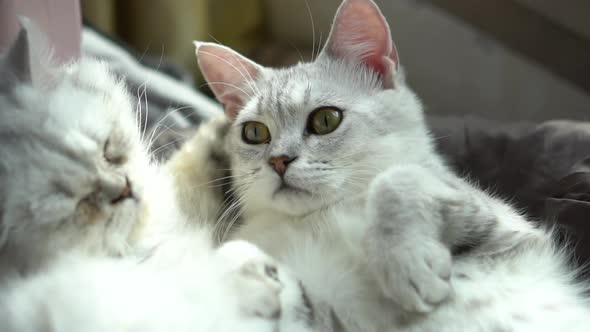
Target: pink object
{"type": "Point", "coordinates": [8, 24]}
{"type": "Point", "coordinates": [360, 32]}
{"type": "Point", "coordinates": [60, 21]}
{"type": "Point", "coordinates": [229, 73]}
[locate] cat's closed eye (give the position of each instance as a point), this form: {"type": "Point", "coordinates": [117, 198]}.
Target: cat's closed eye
{"type": "Point", "coordinates": [324, 120]}
{"type": "Point", "coordinates": [112, 156]}
{"type": "Point", "coordinates": [255, 133]}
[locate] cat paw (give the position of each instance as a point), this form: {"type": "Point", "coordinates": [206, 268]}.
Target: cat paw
{"type": "Point", "coordinates": [265, 291]}
{"type": "Point", "coordinates": [414, 275]}
{"type": "Point", "coordinates": [411, 265]}
{"type": "Point", "coordinates": [201, 171]}
{"type": "Point", "coordinates": [211, 135]}
{"type": "Point", "coordinates": [254, 277]}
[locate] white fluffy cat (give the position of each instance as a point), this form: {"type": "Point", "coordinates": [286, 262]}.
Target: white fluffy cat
{"type": "Point", "coordinates": [335, 174]}
{"type": "Point", "coordinates": [91, 235]}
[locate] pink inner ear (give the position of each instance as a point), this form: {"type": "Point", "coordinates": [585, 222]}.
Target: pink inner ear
{"type": "Point", "coordinates": [361, 33]}
{"type": "Point", "coordinates": [230, 75]}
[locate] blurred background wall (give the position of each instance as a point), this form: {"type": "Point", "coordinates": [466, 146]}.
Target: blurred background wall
{"type": "Point", "coordinates": [502, 59]}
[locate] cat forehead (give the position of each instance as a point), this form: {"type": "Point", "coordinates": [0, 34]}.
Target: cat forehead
{"type": "Point", "coordinates": [322, 72]}
{"type": "Point", "coordinates": [91, 74]}
{"type": "Point", "coordinates": [289, 91]}
{"type": "Point", "coordinates": [106, 94]}
{"type": "Point", "coordinates": [95, 78]}
{"type": "Point", "coordinates": [83, 100]}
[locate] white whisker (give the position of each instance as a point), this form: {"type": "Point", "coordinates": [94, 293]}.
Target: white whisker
{"type": "Point", "coordinates": [236, 68]}
{"type": "Point", "coordinates": [228, 84]}
{"type": "Point", "coordinates": [312, 29]}
{"type": "Point", "coordinates": [250, 81]}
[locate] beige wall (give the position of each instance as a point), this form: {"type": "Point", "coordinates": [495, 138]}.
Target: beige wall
{"type": "Point", "coordinates": [168, 27]}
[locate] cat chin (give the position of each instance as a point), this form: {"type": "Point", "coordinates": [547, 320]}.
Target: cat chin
{"type": "Point", "coordinates": [285, 189]}
{"type": "Point", "coordinates": [294, 202]}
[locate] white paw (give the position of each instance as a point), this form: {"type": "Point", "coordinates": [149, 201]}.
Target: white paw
{"type": "Point", "coordinates": [411, 265]}
{"type": "Point", "coordinates": [254, 276]}
{"type": "Point", "coordinates": [414, 275]}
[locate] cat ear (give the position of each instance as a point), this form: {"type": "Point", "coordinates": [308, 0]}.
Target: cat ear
{"type": "Point", "coordinates": [28, 59]}
{"type": "Point", "coordinates": [360, 33]}
{"type": "Point", "coordinates": [229, 74]}
{"type": "Point", "coordinates": [17, 59]}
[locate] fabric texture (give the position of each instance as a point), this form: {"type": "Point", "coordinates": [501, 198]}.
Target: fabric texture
{"type": "Point", "coordinates": [543, 169]}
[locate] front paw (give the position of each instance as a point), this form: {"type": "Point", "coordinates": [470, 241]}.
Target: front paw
{"type": "Point", "coordinates": [254, 277]}
{"type": "Point", "coordinates": [415, 275]}
{"type": "Point", "coordinates": [201, 171]}
{"type": "Point", "coordinates": [410, 263]}
{"type": "Point", "coordinates": [265, 291]}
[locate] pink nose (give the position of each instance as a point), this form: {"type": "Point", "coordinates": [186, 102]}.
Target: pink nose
{"type": "Point", "coordinates": [280, 163]}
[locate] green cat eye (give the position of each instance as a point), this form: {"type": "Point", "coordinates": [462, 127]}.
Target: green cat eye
{"type": "Point", "coordinates": [255, 133]}
{"type": "Point", "coordinates": [324, 120]}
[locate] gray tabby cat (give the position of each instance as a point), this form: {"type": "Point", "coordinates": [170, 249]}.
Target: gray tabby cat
{"type": "Point", "coordinates": [91, 236]}
{"type": "Point", "coordinates": [335, 175]}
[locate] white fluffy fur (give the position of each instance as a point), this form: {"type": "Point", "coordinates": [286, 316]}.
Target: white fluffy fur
{"type": "Point", "coordinates": [375, 211]}
{"type": "Point", "coordinates": [76, 257]}
{"type": "Point", "coordinates": [104, 294]}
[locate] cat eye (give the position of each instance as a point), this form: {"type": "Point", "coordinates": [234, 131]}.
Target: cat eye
{"type": "Point", "coordinates": [255, 133]}
{"type": "Point", "coordinates": [115, 160]}
{"type": "Point", "coordinates": [324, 120]}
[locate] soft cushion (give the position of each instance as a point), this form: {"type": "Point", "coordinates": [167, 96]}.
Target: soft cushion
{"type": "Point", "coordinates": [544, 169]}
